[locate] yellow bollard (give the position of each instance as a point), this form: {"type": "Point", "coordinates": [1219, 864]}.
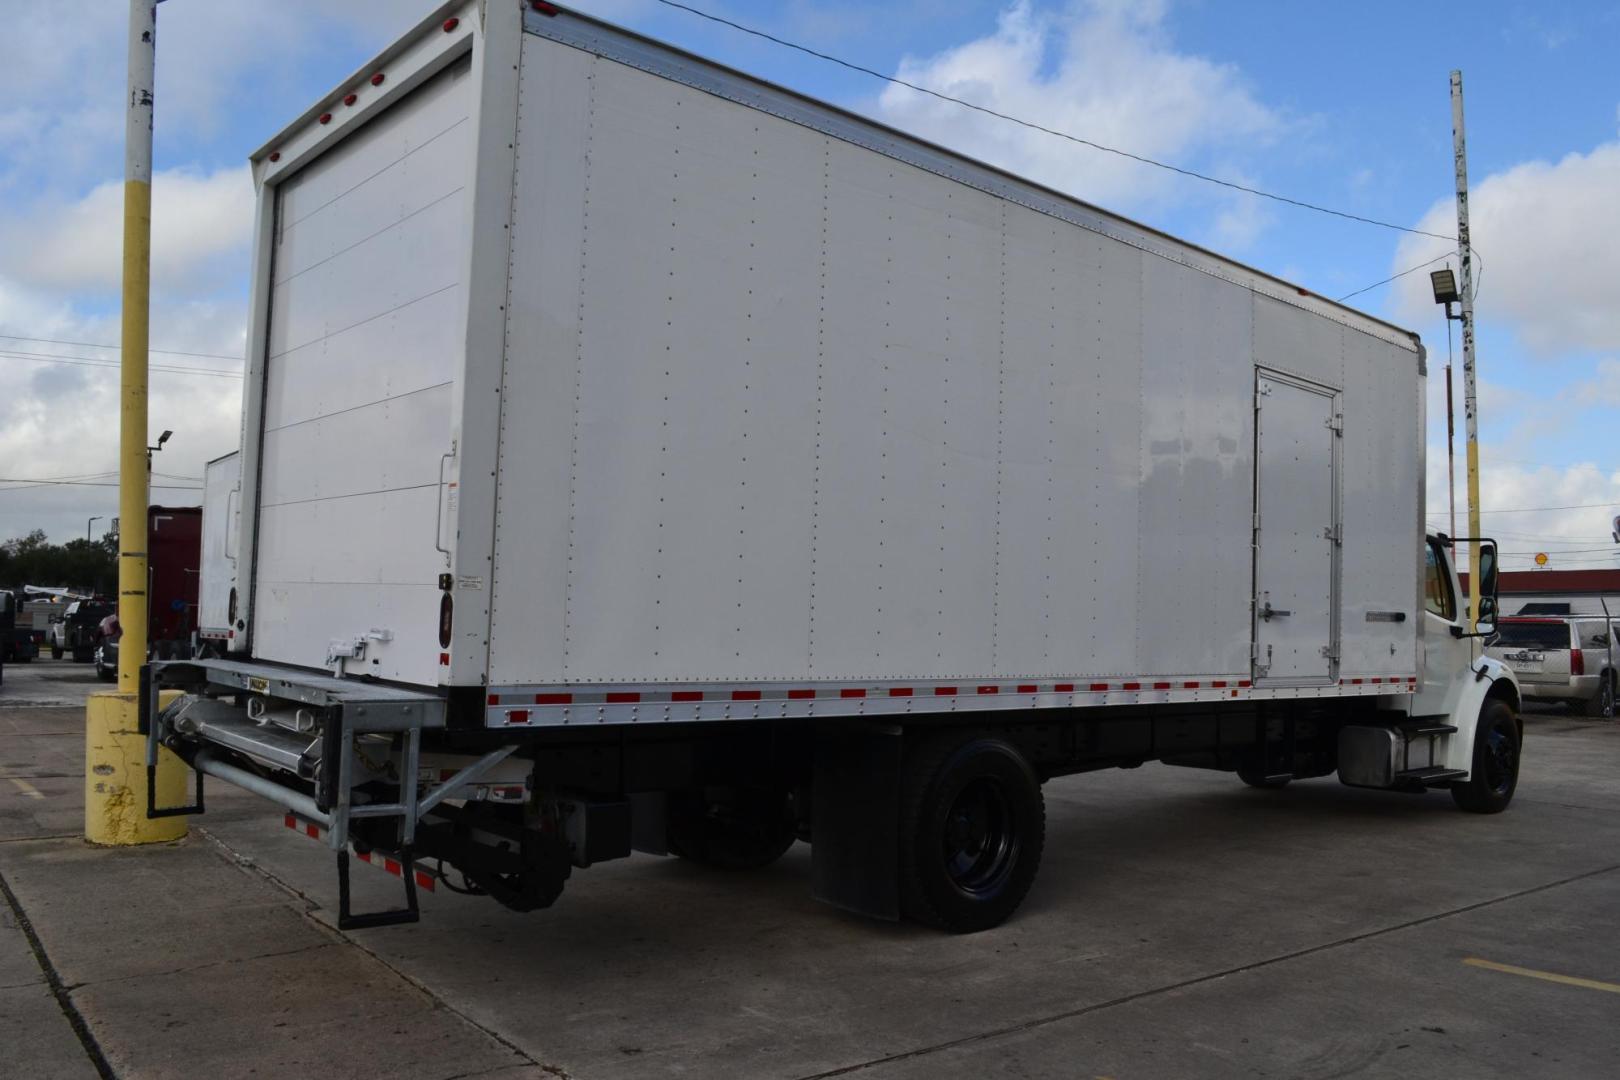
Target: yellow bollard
{"type": "Point", "coordinates": [115, 775]}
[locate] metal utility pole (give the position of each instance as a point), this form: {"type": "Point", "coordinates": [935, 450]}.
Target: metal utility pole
{"type": "Point", "coordinates": [1451, 454]}
{"type": "Point", "coordinates": [116, 776]}
{"type": "Point", "coordinates": [90, 523]}
{"type": "Point", "coordinates": [1465, 289]}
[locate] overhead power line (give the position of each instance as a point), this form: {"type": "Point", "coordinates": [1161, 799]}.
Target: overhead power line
{"type": "Point", "coordinates": [90, 361]}
{"type": "Point", "coordinates": [115, 348]}
{"type": "Point", "coordinates": [1539, 509]}
{"type": "Point", "coordinates": [1302, 204]}
{"type": "Point", "coordinates": [1395, 277]}
{"type": "Point", "coordinates": [25, 483]}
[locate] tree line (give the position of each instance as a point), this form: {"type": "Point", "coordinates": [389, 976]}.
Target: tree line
{"type": "Point", "coordinates": [81, 565]}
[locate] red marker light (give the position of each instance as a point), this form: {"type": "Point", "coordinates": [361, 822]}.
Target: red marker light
{"type": "Point", "coordinates": [544, 8]}
{"type": "Point", "coordinates": [326, 118]}
{"type": "Point", "coordinates": [275, 155]}
{"type": "Point", "coordinates": [377, 79]}
{"type": "Point", "coordinates": [450, 24]}
{"type": "Point", "coordinates": [351, 99]}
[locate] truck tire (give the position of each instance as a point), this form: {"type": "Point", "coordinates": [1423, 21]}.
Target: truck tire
{"type": "Point", "coordinates": [1256, 779]}
{"type": "Point", "coordinates": [83, 655]}
{"type": "Point", "coordinates": [730, 828]}
{"type": "Point", "coordinates": [972, 826]}
{"type": "Point", "coordinates": [56, 652]}
{"type": "Point", "coordinates": [1602, 703]}
{"type": "Point", "coordinates": [1495, 772]}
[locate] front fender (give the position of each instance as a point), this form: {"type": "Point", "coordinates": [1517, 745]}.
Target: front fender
{"type": "Point", "coordinates": [1486, 678]}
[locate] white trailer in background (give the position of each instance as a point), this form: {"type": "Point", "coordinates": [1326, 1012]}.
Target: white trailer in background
{"type": "Point", "coordinates": [639, 454]}
{"type": "Point", "coordinates": [222, 480]}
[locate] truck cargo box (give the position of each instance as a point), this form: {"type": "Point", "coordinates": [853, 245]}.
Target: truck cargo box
{"type": "Point", "coordinates": [628, 387]}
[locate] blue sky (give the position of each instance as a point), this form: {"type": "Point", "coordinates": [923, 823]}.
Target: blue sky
{"type": "Point", "coordinates": [1344, 105]}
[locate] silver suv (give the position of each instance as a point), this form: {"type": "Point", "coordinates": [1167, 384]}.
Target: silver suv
{"type": "Point", "coordinates": [1560, 659]}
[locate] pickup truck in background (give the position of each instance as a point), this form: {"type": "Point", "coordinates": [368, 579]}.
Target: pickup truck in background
{"type": "Point", "coordinates": [77, 632]}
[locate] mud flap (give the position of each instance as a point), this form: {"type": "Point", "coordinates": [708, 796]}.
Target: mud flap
{"type": "Point", "coordinates": [855, 819]}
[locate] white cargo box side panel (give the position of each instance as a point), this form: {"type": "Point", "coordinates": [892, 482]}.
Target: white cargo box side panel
{"type": "Point", "coordinates": [778, 406]}
{"type": "Point", "coordinates": [367, 316]}
{"type": "Point", "coordinates": [222, 480]}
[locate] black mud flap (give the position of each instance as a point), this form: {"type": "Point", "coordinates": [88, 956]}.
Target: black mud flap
{"type": "Point", "coordinates": [855, 819]}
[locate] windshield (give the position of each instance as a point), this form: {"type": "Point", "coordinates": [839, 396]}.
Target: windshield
{"type": "Point", "coordinates": [1532, 635]}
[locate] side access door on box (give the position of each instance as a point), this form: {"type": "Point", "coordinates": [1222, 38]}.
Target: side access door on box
{"type": "Point", "coordinates": [1296, 530]}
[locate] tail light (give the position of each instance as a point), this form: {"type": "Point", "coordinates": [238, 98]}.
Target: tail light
{"type": "Point", "coordinates": [446, 613]}
{"type": "Point", "coordinates": [1577, 662]}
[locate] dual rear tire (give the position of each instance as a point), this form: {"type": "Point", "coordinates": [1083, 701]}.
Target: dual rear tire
{"type": "Point", "coordinates": [972, 829]}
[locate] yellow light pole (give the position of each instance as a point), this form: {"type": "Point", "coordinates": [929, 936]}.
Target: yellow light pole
{"type": "Point", "coordinates": [115, 751]}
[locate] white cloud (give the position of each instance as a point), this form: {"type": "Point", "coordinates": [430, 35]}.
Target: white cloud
{"type": "Point", "coordinates": [1101, 69]}
{"type": "Point", "coordinates": [1549, 264]}
{"type": "Point", "coordinates": [196, 220]}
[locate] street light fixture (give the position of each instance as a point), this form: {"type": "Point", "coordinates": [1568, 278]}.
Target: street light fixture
{"type": "Point", "coordinates": [1444, 283]}
{"type": "Point", "coordinates": [89, 523]}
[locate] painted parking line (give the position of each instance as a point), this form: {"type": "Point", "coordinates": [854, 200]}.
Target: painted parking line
{"type": "Point", "coordinates": [28, 789]}
{"type": "Point", "coordinates": [1546, 976]}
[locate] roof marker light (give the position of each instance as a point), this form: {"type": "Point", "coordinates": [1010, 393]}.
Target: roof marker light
{"type": "Point", "coordinates": [275, 155]}
{"type": "Point", "coordinates": [377, 79]}
{"type": "Point", "coordinates": [450, 24]}
{"type": "Point", "coordinates": [351, 99]}
{"type": "Point", "coordinates": [326, 118]}
{"type": "Point", "coordinates": [544, 8]}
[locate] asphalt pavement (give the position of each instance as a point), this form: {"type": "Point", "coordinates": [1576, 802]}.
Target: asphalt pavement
{"type": "Point", "coordinates": [1182, 925]}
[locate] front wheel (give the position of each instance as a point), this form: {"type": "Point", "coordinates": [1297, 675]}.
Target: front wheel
{"type": "Point", "coordinates": [56, 652]}
{"type": "Point", "coordinates": [972, 827]}
{"type": "Point", "coordinates": [1495, 773]}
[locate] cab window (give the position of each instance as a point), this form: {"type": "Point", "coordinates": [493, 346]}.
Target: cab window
{"type": "Point", "coordinates": [1437, 596]}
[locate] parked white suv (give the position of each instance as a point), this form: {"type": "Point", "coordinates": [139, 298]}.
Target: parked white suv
{"type": "Point", "coordinates": [1560, 659]}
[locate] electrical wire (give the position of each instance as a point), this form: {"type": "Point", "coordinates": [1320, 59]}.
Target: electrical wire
{"type": "Point", "coordinates": [1302, 204]}
{"type": "Point", "coordinates": [89, 361]}
{"type": "Point", "coordinates": [25, 483]}
{"type": "Point", "coordinates": [99, 345]}
{"type": "Point", "coordinates": [1394, 277]}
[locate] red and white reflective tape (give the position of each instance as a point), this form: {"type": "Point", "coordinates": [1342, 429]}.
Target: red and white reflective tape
{"type": "Point", "coordinates": [424, 880]}
{"type": "Point", "coordinates": [522, 706]}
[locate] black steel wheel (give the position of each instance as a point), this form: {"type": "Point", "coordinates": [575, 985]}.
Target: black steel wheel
{"type": "Point", "coordinates": [1495, 772]}
{"type": "Point", "coordinates": [972, 828]}
{"type": "Point", "coordinates": [730, 828]}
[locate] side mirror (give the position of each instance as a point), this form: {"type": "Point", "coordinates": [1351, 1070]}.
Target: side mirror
{"type": "Point", "coordinates": [1488, 602]}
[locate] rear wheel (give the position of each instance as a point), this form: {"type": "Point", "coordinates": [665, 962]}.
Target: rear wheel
{"type": "Point", "coordinates": [972, 827]}
{"type": "Point", "coordinates": [56, 652]}
{"type": "Point", "coordinates": [730, 828]}
{"type": "Point", "coordinates": [1602, 702]}
{"type": "Point", "coordinates": [1495, 773]}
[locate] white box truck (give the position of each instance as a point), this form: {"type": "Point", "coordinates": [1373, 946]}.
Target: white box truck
{"type": "Point", "coordinates": [638, 455]}
{"type": "Point", "coordinates": [216, 593]}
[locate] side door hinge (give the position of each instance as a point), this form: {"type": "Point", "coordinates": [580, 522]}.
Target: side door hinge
{"type": "Point", "coordinates": [1335, 423]}
{"type": "Point", "coordinates": [1334, 532]}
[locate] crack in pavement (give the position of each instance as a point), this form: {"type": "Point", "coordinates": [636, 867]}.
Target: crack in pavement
{"type": "Point", "coordinates": [1126, 999]}
{"type": "Point", "coordinates": [64, 1000]}
{"type": "Point", "coordinates": [201, 967]}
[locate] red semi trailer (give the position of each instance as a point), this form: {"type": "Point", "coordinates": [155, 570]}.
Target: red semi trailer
{"type": "Point", "coordinates": [174, 562]}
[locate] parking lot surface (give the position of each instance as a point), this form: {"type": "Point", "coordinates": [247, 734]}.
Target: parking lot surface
{"type": "Point", "coordinates": [1182, 925]}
